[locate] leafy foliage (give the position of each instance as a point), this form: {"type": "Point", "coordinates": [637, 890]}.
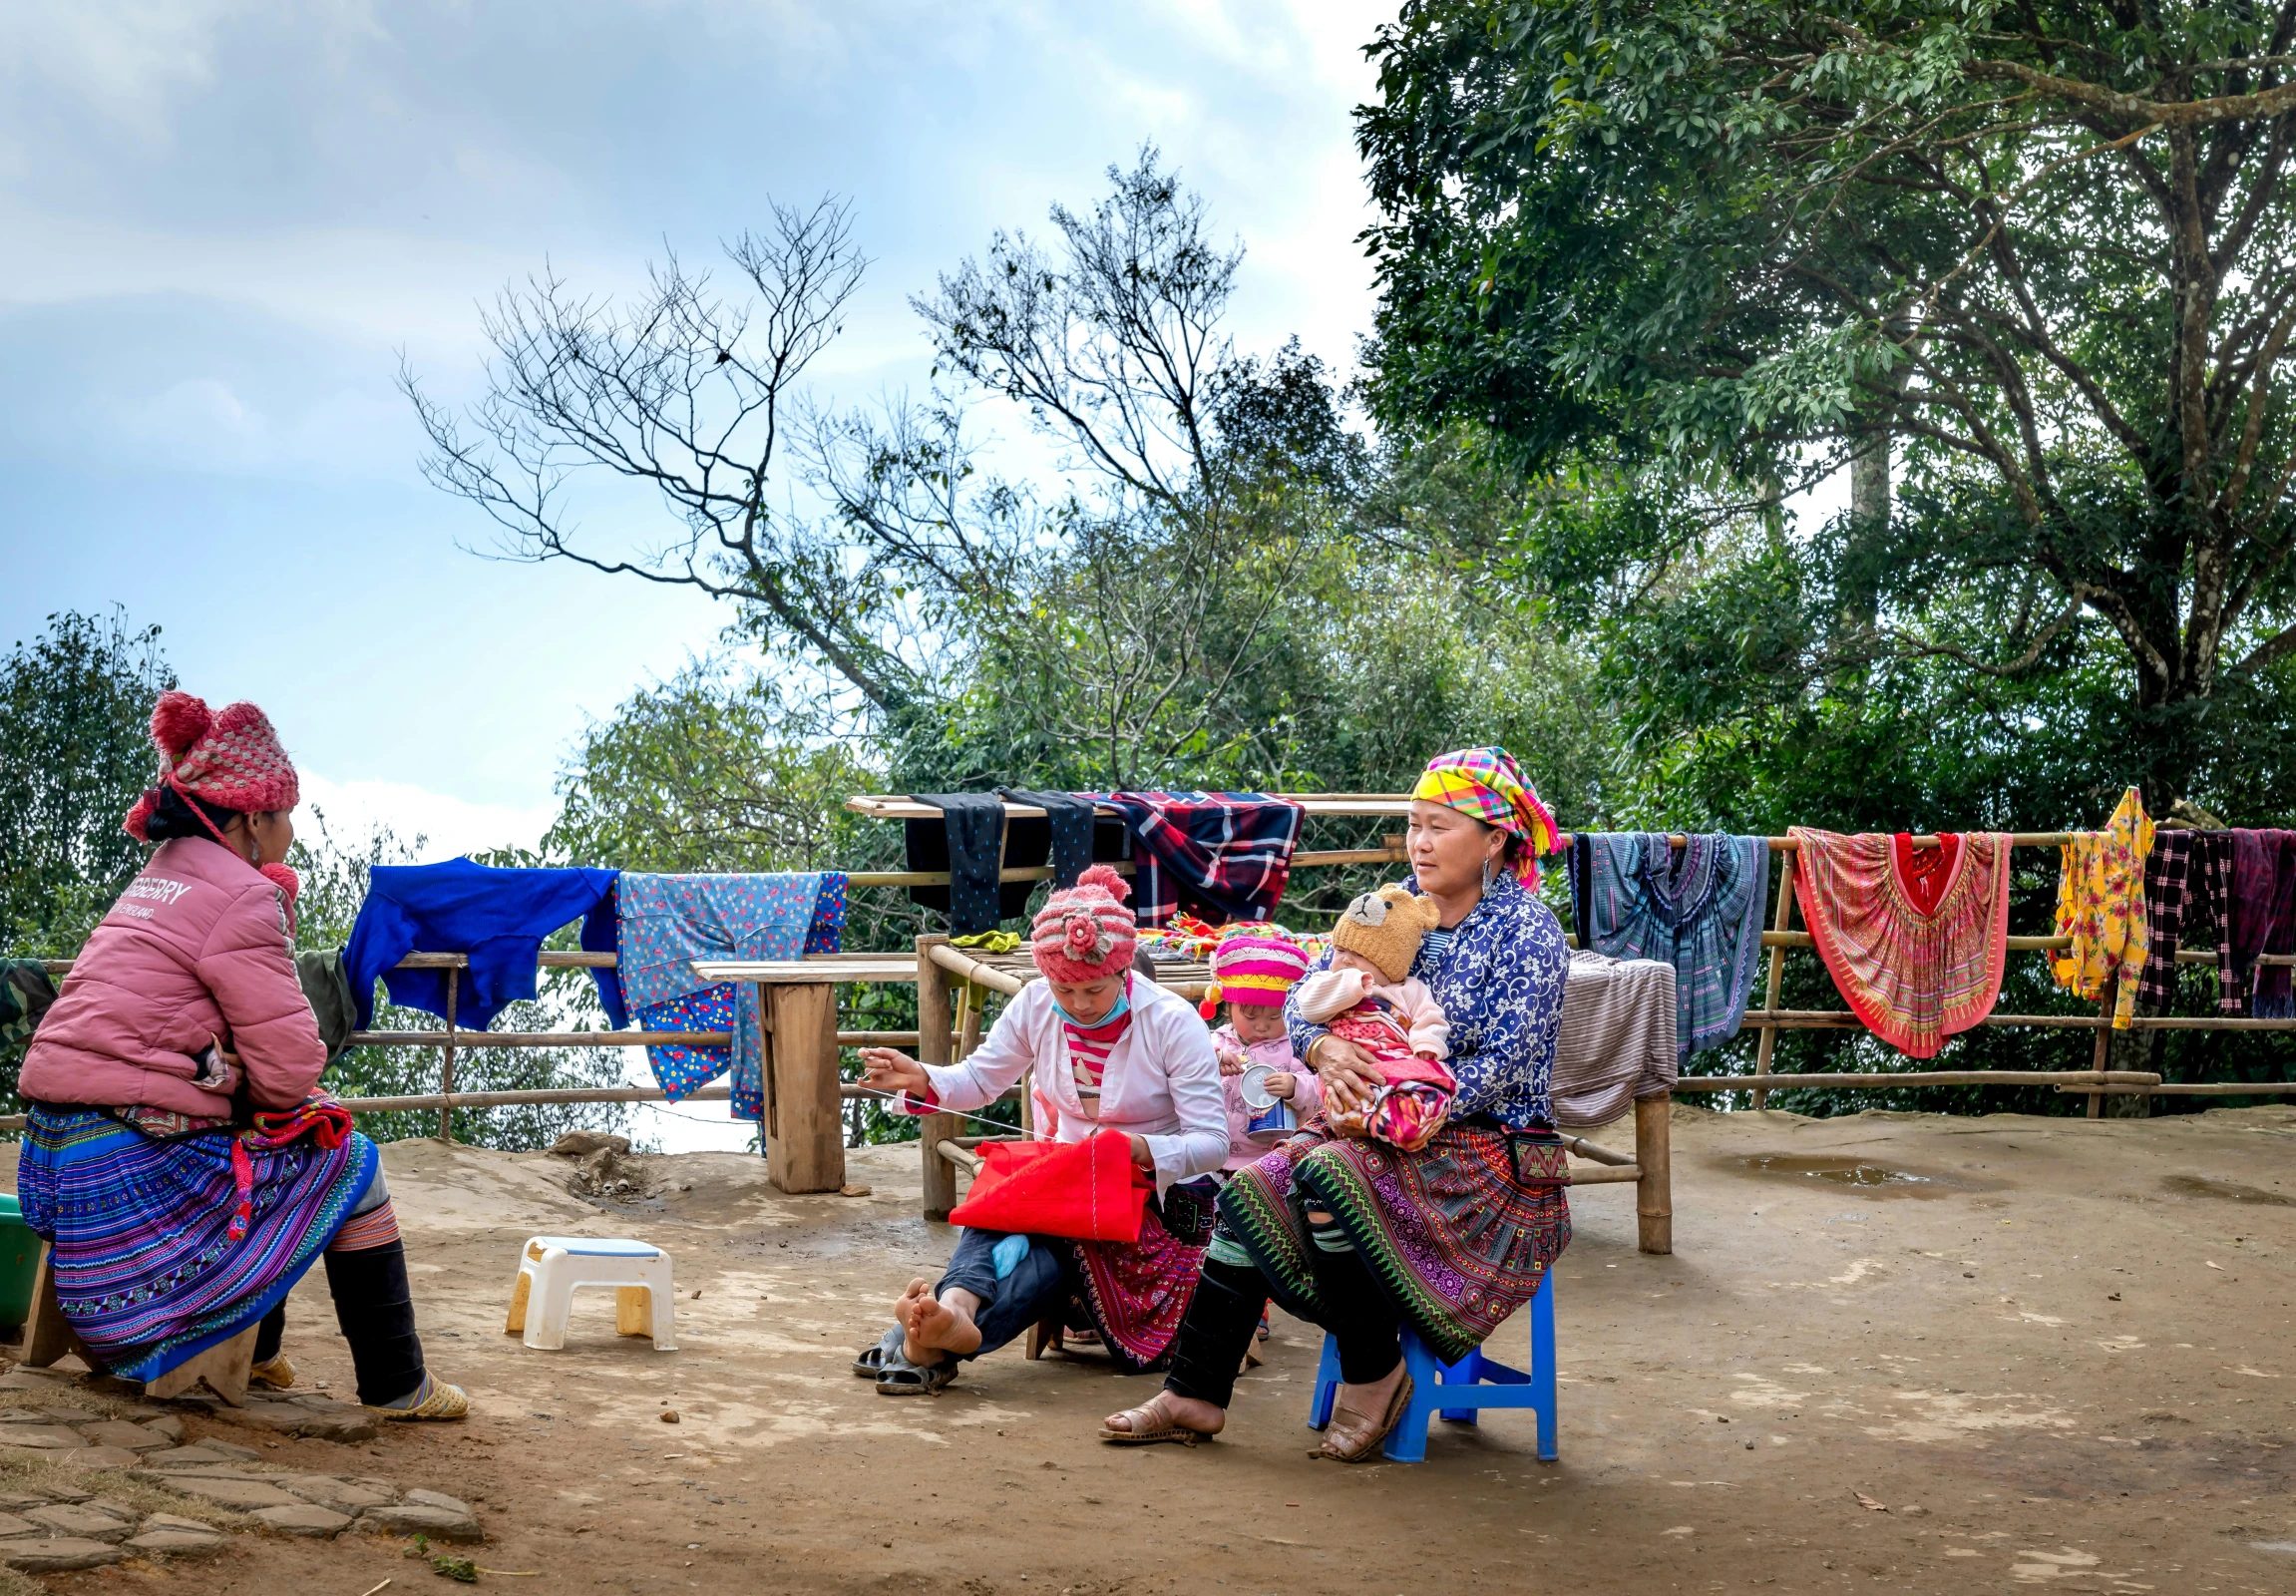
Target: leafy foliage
{"type": "Point", "coordinates": [1729, 244]}
{"type": "Point", "coordinates": [74, 753]}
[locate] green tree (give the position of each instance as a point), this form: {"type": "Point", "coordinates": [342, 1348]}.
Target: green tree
{"type": "Point", "coordinates": [1717, 248]}
{"type": "Point", "coordinates": [74, 753]}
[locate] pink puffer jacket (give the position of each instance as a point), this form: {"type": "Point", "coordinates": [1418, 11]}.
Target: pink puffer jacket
{"type": "Point", "coordinates": [193, 956]}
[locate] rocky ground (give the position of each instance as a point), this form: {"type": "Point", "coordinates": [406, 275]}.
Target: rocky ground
{"type": "Point", "coordinates": [1889, 1352]}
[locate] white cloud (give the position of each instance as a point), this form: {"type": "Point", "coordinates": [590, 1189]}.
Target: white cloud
{"type": "Point", "coordinates": [450, 826]}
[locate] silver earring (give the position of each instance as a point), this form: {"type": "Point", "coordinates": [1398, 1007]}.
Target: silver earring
{"type": "Point", "coordinates": [1489, 874]}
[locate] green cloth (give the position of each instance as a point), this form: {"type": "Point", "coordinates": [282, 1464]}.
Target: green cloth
{"type": "Point", "coordinates": [327, 988]}
{"type": "Point", "coordinates": [25, 993]}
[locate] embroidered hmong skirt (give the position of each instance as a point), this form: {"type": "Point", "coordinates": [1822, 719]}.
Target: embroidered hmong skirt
{"type": "Point", "coordinates": [1456, 1241]}
{"type": "Point", "coordinates": [1136, 1293]}
{"type": "Point", "coordinates": [144, 1268]}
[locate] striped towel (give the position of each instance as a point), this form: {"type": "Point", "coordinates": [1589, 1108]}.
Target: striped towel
{"type": "Point", "coordinates": [1616, 1039]}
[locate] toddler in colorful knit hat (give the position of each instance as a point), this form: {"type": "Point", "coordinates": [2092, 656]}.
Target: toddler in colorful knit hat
{"type": "Point", "coordinates": [1252, 971]}
{"type": "Point", "coordinates": [1368, 997]}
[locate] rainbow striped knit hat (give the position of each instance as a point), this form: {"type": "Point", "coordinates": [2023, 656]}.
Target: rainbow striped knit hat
{"type": "Point", "coordinates": [1255, 967]}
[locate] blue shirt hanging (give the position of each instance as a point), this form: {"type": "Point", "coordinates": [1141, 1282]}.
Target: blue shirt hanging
{"type": "Point", "coordinates": [497, 917]}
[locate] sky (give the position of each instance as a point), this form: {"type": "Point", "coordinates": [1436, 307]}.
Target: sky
{"type": "Point", "coordinates": [225, 225]}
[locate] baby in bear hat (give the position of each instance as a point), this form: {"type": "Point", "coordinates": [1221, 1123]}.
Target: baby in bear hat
{"type": "Point", "coordinates": [1369, 998]}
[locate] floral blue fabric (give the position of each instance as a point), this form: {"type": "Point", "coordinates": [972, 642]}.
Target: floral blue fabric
{"type": "Point", "coordinates": [1499, 977]}
{"type": "Point", "coordinates": [667, 922]}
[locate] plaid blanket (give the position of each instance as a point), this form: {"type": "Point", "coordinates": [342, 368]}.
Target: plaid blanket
{"type": "Point", "coordinates": [1225, 855]}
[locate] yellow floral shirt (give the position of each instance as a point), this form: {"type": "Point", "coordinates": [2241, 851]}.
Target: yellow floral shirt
{"type": "Point", "coordinates": [2101, 906]}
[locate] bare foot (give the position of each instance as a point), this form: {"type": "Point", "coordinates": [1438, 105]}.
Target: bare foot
{"type": "Point", "coordinates": [1189, 1412]}
{"type": "Point", "coordinates": [933, 1327]}
{"type": "Point", "coordinates": [904, 1305]}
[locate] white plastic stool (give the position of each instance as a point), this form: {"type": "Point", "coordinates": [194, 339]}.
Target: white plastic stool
{"type": "Point", "coordinates": [552, 1268]}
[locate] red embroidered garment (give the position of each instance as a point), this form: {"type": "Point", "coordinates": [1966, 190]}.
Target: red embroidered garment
{"type": "Point", "coordinates": [1136, 1294]}
{"type": "Point", "coordinates": [1914, 938]}
{"type": "Point", "coordinates": [1085, 1190]}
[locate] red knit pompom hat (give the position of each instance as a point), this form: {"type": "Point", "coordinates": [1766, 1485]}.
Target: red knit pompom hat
{"type": "Point", "coordinates": [1085, 933]}
{"type": "Point", "coordinates": [230, 757]}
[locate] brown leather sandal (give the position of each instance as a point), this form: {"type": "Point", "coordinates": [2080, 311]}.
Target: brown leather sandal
{"type": "Point", "coordinates": [1362, 1450]}
{"type": "Point", "coordinates": [1151, 1425]}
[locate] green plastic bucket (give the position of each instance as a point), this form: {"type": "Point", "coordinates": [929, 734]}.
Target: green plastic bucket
{"type": "Point", "coordinates": [19, 1263]}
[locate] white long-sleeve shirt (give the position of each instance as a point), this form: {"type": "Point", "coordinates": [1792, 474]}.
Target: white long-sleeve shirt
{"type": "Point", "coordinates": [1161, 1081]}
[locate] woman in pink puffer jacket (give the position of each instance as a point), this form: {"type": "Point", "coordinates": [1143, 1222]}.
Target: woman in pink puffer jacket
{"type": "Point", "coordinates": [179, 1158]}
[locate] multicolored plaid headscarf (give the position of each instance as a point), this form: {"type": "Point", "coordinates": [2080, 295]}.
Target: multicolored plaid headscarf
{"type": "Point", "coordinates": [1487, 784]}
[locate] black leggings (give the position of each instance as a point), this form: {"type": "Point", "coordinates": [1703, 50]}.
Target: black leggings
{"type": "Point", "coordinates": [1226, 1309]}
{"type": "Point", "coordinates": [376, 1313]}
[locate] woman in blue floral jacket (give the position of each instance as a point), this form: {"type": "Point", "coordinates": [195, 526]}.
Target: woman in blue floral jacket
{"type": "Point", "coordinates": [1360, 1237]}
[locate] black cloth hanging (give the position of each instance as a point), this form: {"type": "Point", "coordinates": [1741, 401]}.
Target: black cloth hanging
{"type": "Point", "coordinates": [1068, 825]}
{"type": "Point", "coordinates": [969, 842]}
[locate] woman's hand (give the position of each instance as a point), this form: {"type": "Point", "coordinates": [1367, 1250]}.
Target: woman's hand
{"type": "Point", "coordinates": [1143, 1158]}
{"type": "Point", "coordinates": [1350, 1076]}
{"type": "Point", "coordinates": [1283, 1086]}
{"type": "Point", "coordinates": [892, 1071]}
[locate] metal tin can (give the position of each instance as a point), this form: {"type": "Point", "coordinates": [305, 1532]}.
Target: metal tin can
{"type": "Point", "coordinates": [1272, 1117]}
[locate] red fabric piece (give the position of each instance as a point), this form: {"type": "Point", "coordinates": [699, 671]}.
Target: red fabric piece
{"type": "Point", "coordinates": [1084, 1190]}
{"type": "Point", "coordinates": [1925, 872]}
{"type": "Point", "coordinates": [1916, 977]}
{"type": "Point", "coordinates": [319, 1117]}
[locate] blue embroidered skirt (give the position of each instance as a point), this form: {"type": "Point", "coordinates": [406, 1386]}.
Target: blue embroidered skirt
{"type": "Point", "coordinates": [144, 1265]}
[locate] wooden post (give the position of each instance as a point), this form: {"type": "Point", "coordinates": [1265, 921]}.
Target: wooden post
{"type": "Point", "coordinates": [1776, 969]}
{"type": "Point", "coordinates": [805, 1131]}
{"type": "Point", "coordinates": [1654, 1190]}
{"type": "Point", "coordinates": [2104, 1048]}
{"type": "Point", "coordinates": [447, 1068]}
{"type": "Point", "coordinates": [933, 1047]}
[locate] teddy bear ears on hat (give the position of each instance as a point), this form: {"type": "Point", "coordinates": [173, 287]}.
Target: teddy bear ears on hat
{"type": "Point", "coordinates": [1373, 908]}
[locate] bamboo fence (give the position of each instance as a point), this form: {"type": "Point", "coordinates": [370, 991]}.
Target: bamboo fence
{"type": "Point", "coordinates": [810, 1153]}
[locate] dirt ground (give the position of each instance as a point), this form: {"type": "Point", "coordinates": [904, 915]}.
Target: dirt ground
{"type": "Point", "coordinates": [1889, 1351]}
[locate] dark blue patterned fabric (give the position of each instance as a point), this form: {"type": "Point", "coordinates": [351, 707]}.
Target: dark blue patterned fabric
{"type": "Point", "coordinates": [1501, 980]}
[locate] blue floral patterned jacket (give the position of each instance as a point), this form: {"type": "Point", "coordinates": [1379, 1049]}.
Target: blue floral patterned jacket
{"type": "Point", "coordinates": [1501, 981]}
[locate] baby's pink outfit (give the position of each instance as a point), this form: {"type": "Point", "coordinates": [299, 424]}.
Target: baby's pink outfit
{"type": "Point", "coordinates": [1403, 1029]}
{"type": "Point", "coordinates": [1306, 1098]}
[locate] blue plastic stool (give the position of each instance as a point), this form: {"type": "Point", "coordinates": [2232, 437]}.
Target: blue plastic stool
{"type": "Point", "coordinates": [1458, 1391]}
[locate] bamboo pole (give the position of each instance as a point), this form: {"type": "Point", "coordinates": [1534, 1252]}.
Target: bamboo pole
{"type": "Point", "coordinates": [933, 1023]}
{"type": "Point", "coordinates": [1609, 1175]}
{"type": "Point", "coordinates": [1654, 1179]}
{"type": "Point", "coordinates": [1843, 1020]}
{"type": "Point", "coordinates": [545, 1039]}
{"type": "Point", "coordinates": [957, 962]}
{"type": "Point", "coordinates": [2215, 1088]}
{"type": "Point", "coordinates": [602, 1038]}
{"type": "Point", "coordinates": [2104, 1048]}
{"type": "Point", "coordinates": [423, 1102]}
{"type": "Point", "coordinates": [447, 1060]}
{"type": "Point", "coordinates": [1599, 1154]}
{"type": "Point", "coordinates": [1784, 924]}
{"type": "Point", "coordinates": [2080, 1078]}
{"type": "Point", "coordinates": [1305, 859]}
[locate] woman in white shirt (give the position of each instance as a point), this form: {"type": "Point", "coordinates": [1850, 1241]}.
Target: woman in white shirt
{"type": "Point", "coordinates": [1112, 1050]}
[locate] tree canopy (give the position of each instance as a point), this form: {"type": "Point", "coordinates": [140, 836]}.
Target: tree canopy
{"type": "Point", "coordinates": [1713, 250]}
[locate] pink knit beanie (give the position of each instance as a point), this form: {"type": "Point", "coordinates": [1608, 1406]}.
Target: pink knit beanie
{"type": "Point", "coordinates": [231, 758]}
{"type": "Point", "coordinates": [1253, 968]}
{"type": "Point", "coordinates": [1085, 933]}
